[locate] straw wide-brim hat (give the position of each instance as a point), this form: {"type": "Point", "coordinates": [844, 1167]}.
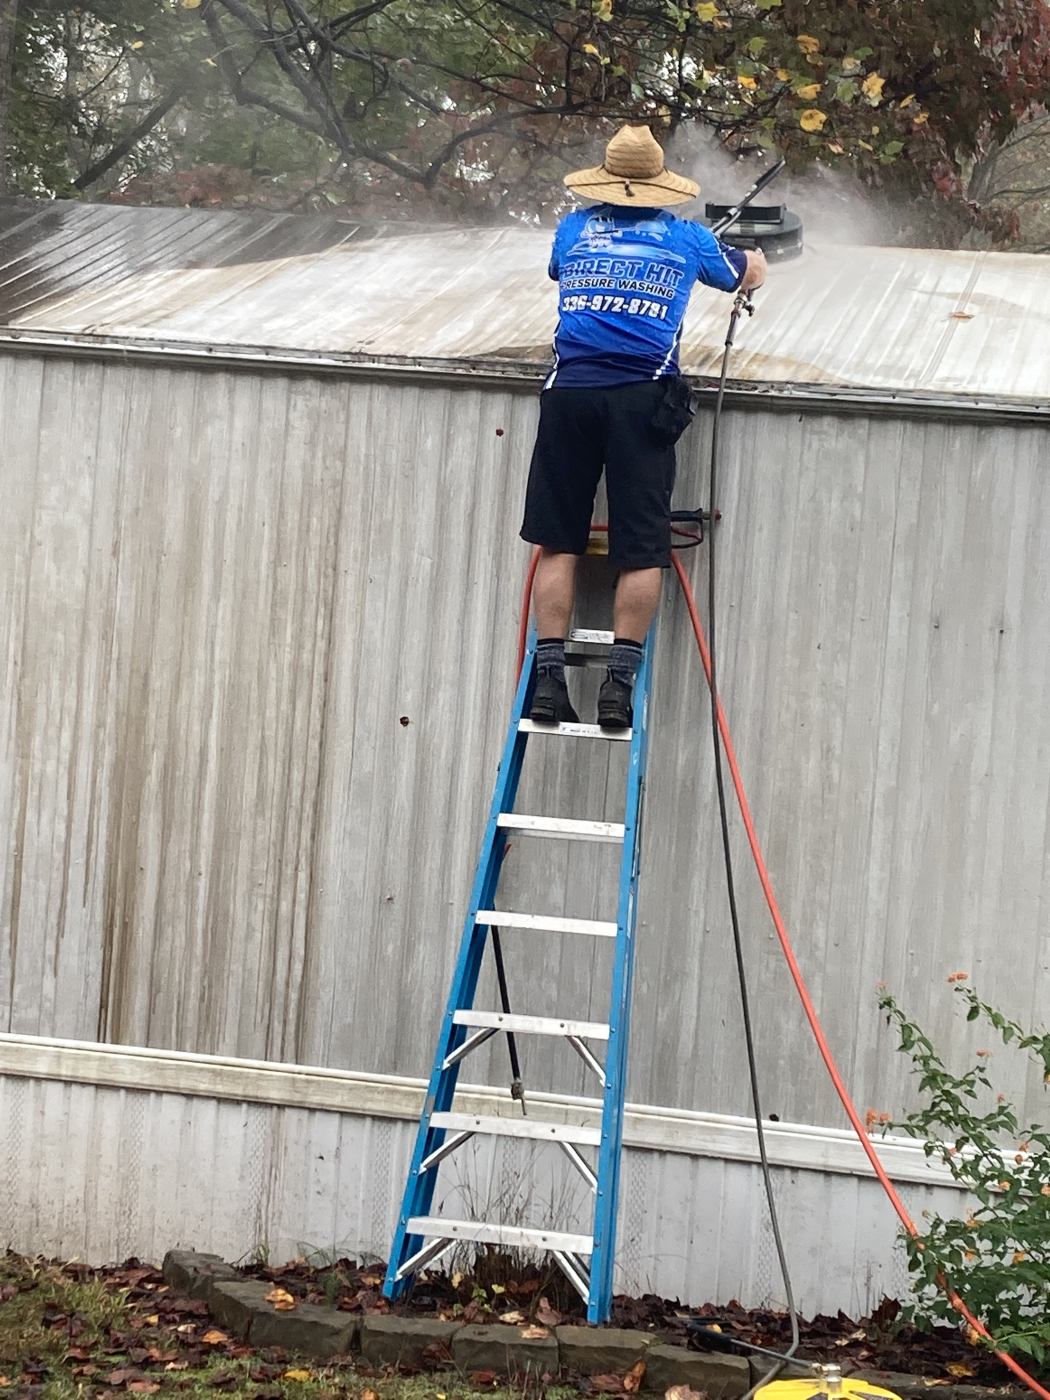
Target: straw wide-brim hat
{"type": "Point", "coordinates": [633, 173]}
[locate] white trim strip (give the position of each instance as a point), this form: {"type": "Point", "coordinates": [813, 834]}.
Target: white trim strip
{"type": "Point", "coordinates": [796, 1146]}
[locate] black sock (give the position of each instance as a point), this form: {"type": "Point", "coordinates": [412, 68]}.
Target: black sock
{"type": "Point", "coordinates": [625, 656]}
{"type": "Point", "coordinates": [550, 657]}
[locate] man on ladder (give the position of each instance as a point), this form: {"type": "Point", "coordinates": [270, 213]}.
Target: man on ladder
{"type": "Point", "coordinates": [615, 401]}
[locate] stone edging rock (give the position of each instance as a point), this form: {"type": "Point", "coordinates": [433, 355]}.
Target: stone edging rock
{"type": "Point", "coordinates": [383, 1339]}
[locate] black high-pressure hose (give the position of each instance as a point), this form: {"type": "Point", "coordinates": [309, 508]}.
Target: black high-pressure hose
{"type": "Point", "coordinates": [740, 305]}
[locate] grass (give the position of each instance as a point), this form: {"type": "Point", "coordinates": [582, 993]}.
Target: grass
{"type": "Point", "coordinates": [71, 1333]}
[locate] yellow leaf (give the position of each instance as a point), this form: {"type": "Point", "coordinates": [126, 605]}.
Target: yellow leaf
{"type": "Point", "coordinates": [457, 1279]}
{"type": "Point", "coordinates": [812, 119]}
{"type": "Point", "coordinates": [872, 87]}
{"type": "Point", "coordinates": [920, 120]}
{"type": "Point", "coordinates": [138, 44]}
{"type": "Point", "coordinates": [865, 145]}
{"type": "Point", "coordinates": [850, 64]}
{"type": "Point", "coordinates": [907, 101]}
{"type": "Point", "coordinates": [783, 75]}
{"type": "Point", "coordinates": [746, 81]}
{"type": "Point", "coordinates": [154, 1318]}
{"type": "Point", "coordinates": [808, 44]}
{"type": "Point", "coordinates": [706, 11]}
{"type": "Point", "coordinates": [211, 63]}
{"type": "Point", "coordinates": [191, 4]}
{"type": "Point", "coordinates": [603, 10]}
{"type": "Point", "coordinates": [591, 48]}
{"type": "Point", "coordinates": [959, 1369]}
{"type": "Point", "coordinates": [214, 1338]}
{"type": "Point", "coordinates": [297, 1374]}
{"type": "Point", "coordinates": [1020, 1256]}
{"type": "Point", "coordinates": [281, 1299]}
{"type": "Point", "coordinates": [533, 1334]}
{"type": "Point", "coordinates": [809, 92]}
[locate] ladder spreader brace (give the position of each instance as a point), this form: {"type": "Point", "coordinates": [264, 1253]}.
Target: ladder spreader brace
{"type": "Point", "coordinates": [586, 1260]}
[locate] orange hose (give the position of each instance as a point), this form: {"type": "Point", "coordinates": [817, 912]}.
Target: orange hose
{"type": "Point", "coordinates": [807, 1001]}
{"type": "Point", "coordinates": [792, 961]}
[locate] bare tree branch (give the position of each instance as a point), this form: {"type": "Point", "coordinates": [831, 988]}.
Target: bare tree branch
{"type": "Point", "coordinates": [8, 15]}
{"type": "Point", "coordinates": [131, 139]}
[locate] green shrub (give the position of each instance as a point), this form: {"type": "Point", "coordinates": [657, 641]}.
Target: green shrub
{"type": "Point", "coordinates": [997, 1258]}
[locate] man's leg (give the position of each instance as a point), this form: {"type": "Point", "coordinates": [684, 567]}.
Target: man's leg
{"type": "Point", "coordinates": [553, 593]}
{"type": "Point", "coordinates": [563, 476]}
{"type": "Point", "coordinates": [637, 598]}
{"type": "Point", "coordinates": [640, 477]}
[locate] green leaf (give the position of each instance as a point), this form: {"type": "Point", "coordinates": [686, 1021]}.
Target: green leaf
{"type": "Point", "coordinates": [756, 45]}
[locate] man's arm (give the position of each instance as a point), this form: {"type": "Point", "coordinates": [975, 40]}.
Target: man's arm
{"type": "Point", "coordinates": [755, 272]}
{"type": "Point", "coordinates": [725, 267]}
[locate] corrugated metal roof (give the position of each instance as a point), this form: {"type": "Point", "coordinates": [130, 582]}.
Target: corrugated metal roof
{"type": "Point", "coordinates": [901, 320]}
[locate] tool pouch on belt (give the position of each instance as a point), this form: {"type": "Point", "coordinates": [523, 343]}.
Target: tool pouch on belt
{"type": "Point", "coordinates": [673, 411]}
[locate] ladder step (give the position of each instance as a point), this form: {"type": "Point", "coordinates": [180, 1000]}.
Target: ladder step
{"type": "Point", "coordinates": [584, 634]}
{"type": "Point", "coordinates": [518, 1128]}
{"type": "Point", "coordinates": [561, 827]}
{"type": "Point", "coordinates": [482, 1232]}
{"type": "Point", "coordinates": [548, 923]}
{"type": "Point", "coordinates": [531, 1025]}
{"type": "Point", "coordinates": [574, 731]}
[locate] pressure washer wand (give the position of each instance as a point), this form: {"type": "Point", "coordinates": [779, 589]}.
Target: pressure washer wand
{"type": "Point", "coordinates": [729, 219]}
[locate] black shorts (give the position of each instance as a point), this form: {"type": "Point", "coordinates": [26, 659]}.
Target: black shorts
{"type": "Point", "coordinates": [582, 431]}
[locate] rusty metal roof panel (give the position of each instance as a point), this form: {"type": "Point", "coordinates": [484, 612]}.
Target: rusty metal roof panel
{"type": "Point", "coordinates": [900, 320]}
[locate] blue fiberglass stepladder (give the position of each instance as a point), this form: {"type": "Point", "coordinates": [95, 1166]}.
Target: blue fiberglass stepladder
{"type": "Point", "coordinates": [587, 1260]}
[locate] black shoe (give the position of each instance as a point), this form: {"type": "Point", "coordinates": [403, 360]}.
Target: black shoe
{"type": "Point", "coordinates": [551, 703]}
{"type": "Point", "coordinates": [615, 704]}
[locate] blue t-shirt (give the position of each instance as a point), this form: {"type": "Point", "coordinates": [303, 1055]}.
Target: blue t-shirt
{"type": "Point", "coordinates": [624, 279]}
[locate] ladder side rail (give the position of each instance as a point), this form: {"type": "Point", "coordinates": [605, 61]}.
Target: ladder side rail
{"type": "Point", "coordinates": [420, 1185]}
{"type": "Point", "coordinates": [610, 1152]}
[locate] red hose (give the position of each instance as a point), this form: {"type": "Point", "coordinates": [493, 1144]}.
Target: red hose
{"type": "Point", "coordinates": [793, 965]}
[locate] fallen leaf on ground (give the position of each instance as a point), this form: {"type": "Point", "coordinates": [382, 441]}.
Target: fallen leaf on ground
{"type": "Point", "coordinates": [297, 1375]}
{"type": "Point", "coordinates": [477, 1378]}
{"type": "Point", "coordinates": [177, 1366]}
{"type": "Point", "coordinates": [369, 1395]}
{"type": "Point", "coordinates": [281, 1299]}
{"type": "Point", "coordinates": [682, 1392]}
{"type": "Point", "coordinates": [119, 1377]}
{"type": "Point", "coordinates": [960, 1369]}
{"type": "Point", "coordinates": [533, 1334]}
{"type": "Point", "coordinates": [633, 1379]}
{"type": "Point", "coordinates": [144, 1387]}
{"type": "Point", "coordinates": [550, 1317]}
{"type": "Point", "coordinates": [514, 1316]}
{"type": "Point", "coordinates": [213, 1337]}
{"type": "Point", "coordinates": [605, 1385]}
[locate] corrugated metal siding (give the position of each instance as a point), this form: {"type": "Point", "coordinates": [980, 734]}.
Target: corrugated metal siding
{"type": "Point", "coordinates": [922, 321]}
{"type": "Point", "coordinates": [157, 1171]}
{"type": "Point", "coordinates": [220, 594]}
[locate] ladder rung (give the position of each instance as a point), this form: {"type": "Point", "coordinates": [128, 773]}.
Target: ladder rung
{"type": "Point", "coordinates": [548, 923]}
{"type": "Point", "coordinates": [574, 731]}
{"type": "Point", "coordinates": [484, 1232]}
{"type": "Point", "coordinates": [518, 1128]}
{"type": "Point", "coordinates": [532, 1025]}
{"type": "Point", "coordinates": [585, 634]}
{"type": "Point", "coordinates": [564, 828]}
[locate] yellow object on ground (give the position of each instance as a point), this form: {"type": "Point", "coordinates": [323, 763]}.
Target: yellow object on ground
{"type": "Point", "coordinates": [826, 1387]}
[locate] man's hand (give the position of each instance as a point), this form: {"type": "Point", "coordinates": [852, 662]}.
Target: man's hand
{"type": "Point", "coordinates": [755, 274]}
